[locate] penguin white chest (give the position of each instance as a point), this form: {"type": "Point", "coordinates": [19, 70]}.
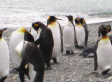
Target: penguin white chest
{"type": "Point", "coordinates": [104, 54]}
{"type": "Point", "coordinates": [68, 36]}
{"type": "Point", "coordinates": [15, 51]}
{"type": "Point", "coordinates": [56, 35]}
{"type": "Point", "coordinates": [80, 35]}
{"type": "Point", "coordinates": [4, 58]}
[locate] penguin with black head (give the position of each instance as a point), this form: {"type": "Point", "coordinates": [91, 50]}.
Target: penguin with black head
{"type": "Point", "coordinates": [56, 29]}
{"type": "Point", "coordinates": [103, 52]}
{"type": "Point", "coordinates": [69, 36]}
{"type": "Point", "coordinates": [45, 41]}
{"type": "Point", "coordinates": [4, 57]}
{"type": "Point", "coordinates": [81, 31]}
{"type": "Point", "coordinates": [31, 56]}
{"type": "Point", "coordinates": [87, 51]}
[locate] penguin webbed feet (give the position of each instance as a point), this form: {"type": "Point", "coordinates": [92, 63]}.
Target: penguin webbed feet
{"type": "Point", "coordinates": [48, 67]}
{"type": "Point", "coordinates": [79, 47]}
{"type": "Point", "coordinates": [69, 52]}
{"type": "Point", "coordinates": [54, 60]}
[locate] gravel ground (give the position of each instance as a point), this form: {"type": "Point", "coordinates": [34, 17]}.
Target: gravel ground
{"type": "Point", "coordinates": [72, 68]}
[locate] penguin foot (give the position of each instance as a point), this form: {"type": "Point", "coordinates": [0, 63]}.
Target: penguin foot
{"type": "Point", "coordinates": [55, 60]}
{"type": "Point", "coordinates": [67, 52]}
{"type": "Point", "coordinates": [48, 64]}
{"type": "Point", "coordinates": [79, 47]}
{"type": "Point", "coordinates": [48, 68]}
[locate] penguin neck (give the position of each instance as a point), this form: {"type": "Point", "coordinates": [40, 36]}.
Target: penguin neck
{"type": "Point", "coordinates": [53, 23]}
{"type": "Point", "coordinates": [70, 23]}
{"type": "Point", "coordinates": [105, 37]}
{"type": "Point", "coordinates": [43, 27]}
{"type": "Point", "coordinates": [79, 25]}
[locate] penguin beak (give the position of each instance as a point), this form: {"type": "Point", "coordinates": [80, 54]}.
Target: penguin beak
{"type": "Point", "coordinates": [58, 19]}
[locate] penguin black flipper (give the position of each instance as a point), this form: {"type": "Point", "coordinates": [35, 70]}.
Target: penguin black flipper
{"type": "Point", "coordinates": [86, 37]}
{"type": "Point", "coordinates": [95, 56]}
{"type": "Point", "coordinates": [74, 33]}
{"type": "Point", "coordinates": [87, 51]}
{"type": "Point", "coordinates": [61, 37]}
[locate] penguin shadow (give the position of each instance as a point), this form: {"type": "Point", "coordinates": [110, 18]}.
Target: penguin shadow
{"type": "Point", "coordinates": [102, 76]}
{"type": "Point", "coordinates": [91, 55]}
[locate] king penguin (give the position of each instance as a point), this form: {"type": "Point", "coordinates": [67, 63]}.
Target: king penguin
{"type": "Point", "coordinates": [81, 31]}
{"type": "Point", "coordinates": [4, 58]}
{"type": "Point", "coordinates": [103, 52]}
{"type": "Point", "coordinates": [87, 51]}
{"type": "Point", "coordinates": [56, 29]}
{"type": "Point", "coordinates": [31, 56]}
{"type": "Point", "coordinates": [69, 36]}
{"type": "Point", "coordinates": [16, 44]}
{"type": "Point", "coordinates": [45, 41]}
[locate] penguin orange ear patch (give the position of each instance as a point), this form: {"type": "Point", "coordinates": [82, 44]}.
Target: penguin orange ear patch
{"type": "Point", "coordinates": [35, 25]}
{"type": "Point", "coordinates": [83, 21]}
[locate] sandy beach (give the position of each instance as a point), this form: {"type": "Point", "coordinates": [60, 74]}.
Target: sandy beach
{"type": "Point", "coordinates": [72, 68]}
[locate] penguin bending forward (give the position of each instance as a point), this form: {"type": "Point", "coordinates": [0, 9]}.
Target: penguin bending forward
{"type": "Point", "coordinates": [45, 41]}
{"type": "Point", "coordinates": [56, 29]}
{"type": "Point", "coordinates": [4, 58]}
{"type": "Point", "coordinates": [103, 52]}
{"type": "Point", "coordinates": [87, 51]}
{"type": "Point", "coordinates": [81, 31]}
{"type": "Point", "coordinates": [32, 55]}
{"type": "Point", "coordinates": [69, 36]}
{"type": "Point", "coordinates": [16, 44]}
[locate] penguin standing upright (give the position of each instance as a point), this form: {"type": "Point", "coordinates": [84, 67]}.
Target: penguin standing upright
{"type": "Point", "coordinates": [45, 41]}
{"type": "Point", "coordinates": [4, 58]}
{"type": "Point", "coordinates": [69, 36]}
{"type": "Point", "coordinates": [57, 36]}
{"type": "Point", "coordinates": [16, 44]}
{"type": "Point", "coordinates": [32, 56]}
{"type": "Point", "coordinates": [81, 31]}
{"type": "Point", "coordinates": [103, 52]}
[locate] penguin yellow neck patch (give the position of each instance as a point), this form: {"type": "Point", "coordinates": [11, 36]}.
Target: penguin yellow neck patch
{"type": "Point", "coordinates": [21, 30]}
{"type": "Point", "coordinates": [105, 37]}
{"type": "Point", "coordinates": [53, 23]}
{"type": "Point", "coordinates": [79, 25]}
{"type": "Point", "coordinates": [104, 40]}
